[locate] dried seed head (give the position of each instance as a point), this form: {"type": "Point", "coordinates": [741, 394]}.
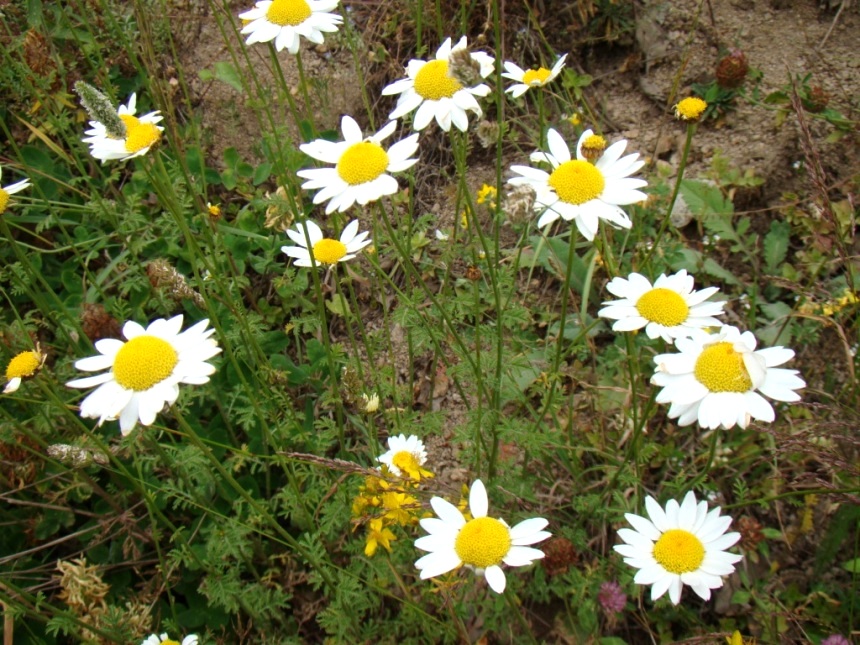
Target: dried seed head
{"type": "Point", "coordinates": [751, 532]}
{"type": "Point", "coordinates": [280, 213]}
{"type": "Point", "coordinates": [82, 587]}
{"type": "Point", "coordinates": [559, 554]}
{"type": "Point", "coordinates": [488, 133]}
{"type": "Point", "coordinates": [518, 203]}
{"type": "Point", "coordinates": [100, 109]}
{"type": "Point", "coordinates": [97, 323]}
{"type": "Point", "coordinates": [732, 70]}
{"type": "Point", "coordinates": [465, 69]}
{"type": "Point", "coordinates": [165, 278]}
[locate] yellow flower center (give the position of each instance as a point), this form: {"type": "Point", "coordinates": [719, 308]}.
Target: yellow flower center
{"type": "Point", "coordinates": [144, 361]}
{"type": "Point", "coordinates": [536, 76]}
{"type": "Point", "coordinates": [690, 108]}
{"type": "Point", "coordinates": [663, 306]}
{"type": "Point", "coordinates": [169, 641]}
{"type": "Point", "coordinates": [288, 12]}
{"type": "Point", "coordinates": [721, 369]}
{"type": "Point", "coordinates": [577, 182]}
{"type": "Point", "coordinates": [362, 162]}
{"type": "Point", "coordinates": [483, 542]}
{"type": "Point", "coordinates": [139, 135]}
{"type": "Point", "coordinates": [328, 251]}
{"type": "Point", "coordinates": [405, 462]}
{"type": "Point", "coordinates": [24, 364]}
{"type": "Point", "coordinates": [679, 551]}
{"type": "Point", "coordinates": [4, 199]}
{"type": "Point", "coordinates": [433, 83]}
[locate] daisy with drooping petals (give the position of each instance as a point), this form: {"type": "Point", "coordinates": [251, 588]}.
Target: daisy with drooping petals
{"type": "Point", "coordinates": [360, 168]}
{"type": "Point", "coordinates": [405, 457]}
{"type": "Point", "coordinates": [684, 544]}
{"type": "Point", "coordinates": [324, 249]}
{"type": "Point", "coordinates": [667, 310]}
{"type": "Point", "coordinates": [436, 93]}
{"type": "Point", "coordinates": [718, 379]}
{"type": "Point", "coordinates": [23, 365]}
{"type": "Point", "coordinates": [145, 371]}
{"type": "Point", "coordinates": [482, 543]}
{"type": "Point", "coordinates": [11, 189]}
{"type": "Point", "coordinates": [581, 191]}
{"type": "Point", "coordinates": [527, 79]}
{"type": "Point", "coordinates": [285, 20]}
{"type": "Point", "coordinates": [164, 639]}
{"type": "Point", "coordinates": [141, 134]}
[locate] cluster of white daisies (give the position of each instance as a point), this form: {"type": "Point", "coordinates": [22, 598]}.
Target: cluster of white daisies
{"type": "Point", "coordinates": [717, 378]}
{"type": "Point", "coordinates": [676, 545]}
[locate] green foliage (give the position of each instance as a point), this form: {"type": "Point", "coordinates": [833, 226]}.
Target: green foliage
{"type": "Point", "coordinates": [233, 515]}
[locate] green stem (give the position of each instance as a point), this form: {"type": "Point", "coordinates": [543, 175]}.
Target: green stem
{"type": "Point", "coordinates": [691, 130]}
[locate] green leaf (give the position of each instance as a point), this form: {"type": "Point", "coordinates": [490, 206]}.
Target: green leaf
{"type": "Point", "coordinates": [713, 268]}
{"type": "Point", "coordinates": [261, 173]}
{"type": "Point", "coordinates": [705, 199]}
{"type": "Point", "coordinates": [338, 305]}
{"type": "Point", "coordinates": [226, 73]}
{"type": "Point", "coordinates": [852, 566]}
{"type": "Point", "coordinates": [776, 245]}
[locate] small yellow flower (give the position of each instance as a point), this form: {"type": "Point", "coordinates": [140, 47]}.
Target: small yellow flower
{"type": "Point", "coordinates": [487, 194]}
{"type": "Point", "coordinates": [574, 119]}
{"type": "Point", "coordinates": [378, 534]}
{"type": "Point", "coordinates": [214, 210]}
{"type": "Point", "coordinates": [400, 508]}
{"type": "Point", "coordinates": [464, 220]}
{"type": "Point", "coordinates": [690, 108]}
{"type": "Point", "coordinates": [23, 365]}
{"type": "Point", "coordinates": [737, 639]}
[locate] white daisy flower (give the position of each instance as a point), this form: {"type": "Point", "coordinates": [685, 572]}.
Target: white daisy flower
{"type": "Point", "coordinates": [667, 310]}
{"type": "Point", "coordinates": [718, 379]}
{"type": "Point", "coordinates": [405, 457]}
{"type": "Point", "coordinates": [325, 250]}
{"type": "Point", "coordinates": [164, 639]}
{"type": "Point", "coordinates": [430, 88]}
{"type": "Point", "coordinates": [683, 545]}
{"type": "Point", "coordinates": [578, 190]}
{"type": "Point", "coordinates": [482, 543]}
{"type": "Point", "coordinates": [525, 80]}
{"type": "Point", "coordinates": [11, 189]}
{"type": "Point", "coordinates": [360, 168]}
{"type": "Point", "coordinates": [23, 365]}
{"type": "Point", "coordinates": [285, 20]}
{"type": "Point", "coordinates": [141, 134]}
{"type": "Point", "coordinates": [145, 372]}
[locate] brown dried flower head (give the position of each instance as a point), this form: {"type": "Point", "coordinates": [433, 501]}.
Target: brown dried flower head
{"type": "Point", "coordinates": [559, 554]}
{"type": "Point", "coordinates": [165, 278]}
{"type": "Point", "coordinates": [732, 70]}
{"type": "Point", "coordinates": [97, 323]}
{"type": "Point", "coordinates": [751, 532]}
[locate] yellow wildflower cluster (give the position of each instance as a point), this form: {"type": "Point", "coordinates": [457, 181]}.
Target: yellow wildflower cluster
{"type": "Point", "coordinates": [386, 501]}
{"type": "Point", "coordinates": [487, 195]}
{"type": "Point", "coordinates": [831, 307]}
